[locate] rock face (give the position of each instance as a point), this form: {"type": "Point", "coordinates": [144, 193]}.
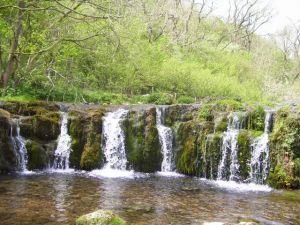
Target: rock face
{"type": "Point", "coordinates": [198, 139]}
{"type": "Point", "coordinates": [142, 142]}
{"type": "Point", "coordinates": [100, 217]}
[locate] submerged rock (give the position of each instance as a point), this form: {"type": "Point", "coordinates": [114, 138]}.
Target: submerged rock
{"type": "Point", "coordinates": [100, 217]}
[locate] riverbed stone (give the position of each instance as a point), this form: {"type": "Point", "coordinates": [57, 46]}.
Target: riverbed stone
{"type": "Point", "coordinates": [100, 217]}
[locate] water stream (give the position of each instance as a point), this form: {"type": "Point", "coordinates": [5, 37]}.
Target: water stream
{"type": "Point", "coordinates": [166, 141]}
{"type": "Point", "coordinates": [114, 140]}
{"type": "Point", "coordinates": [19, 146]}
{"type": "Point", "coordinates": [229, 150]}
{"type": "Point", "coordinates": [260, 153]}
{"type": "Point", "coordinates": [62, 152]}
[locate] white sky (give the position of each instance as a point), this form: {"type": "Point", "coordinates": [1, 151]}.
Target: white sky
{"type": "Point", "coordinates": [285, 12]}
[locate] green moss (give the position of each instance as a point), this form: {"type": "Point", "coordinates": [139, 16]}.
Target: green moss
{"type": "Point", "coordinates": [191, 158]}
{"type": "Point", "coordinates": [208, 110]}
{"type": "Point", "coordinates": [100, 217]}
{"type": "Point", "coordinates": [256, 118]}
{"type": "Point", "coordinates": [221, 124]}
{"type": "Point", "coordinates": [213, 155]}
{"type": "Point", "coordinates": [142, 141]}
{"type": "Point", "coordinates": [244, 154]}
{"type": "Point", "coordinates": [91, 155]}
{"type": "Point", "coordinates": [37, 157]}
{"type": "Point", "coordinates": [85, 128]}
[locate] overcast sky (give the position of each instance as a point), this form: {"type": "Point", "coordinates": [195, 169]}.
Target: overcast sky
{"type": "Point", "coordinates": [285, 11]}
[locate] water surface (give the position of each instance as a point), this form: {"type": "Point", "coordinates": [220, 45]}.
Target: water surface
{"type": "Point", "coordinates": [53, 198]}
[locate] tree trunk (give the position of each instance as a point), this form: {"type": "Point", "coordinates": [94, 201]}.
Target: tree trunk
{"type": "Point", "coordinates": [14, 46]}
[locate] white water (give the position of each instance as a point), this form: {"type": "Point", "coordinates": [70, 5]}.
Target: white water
{"type": "Point", "coordinates": [229, 145]}
{"type": "Point", "coordinates": [260, 153]}
{"type": "Point", "coordinates": [114, 140]}
{"type": "Point", "coordinates": [62, 152]}
{"type": "Point", "coordinates": [19, 147]}
{"type": "Point", "coordinates": [166, 141]}
{"type": "Point", "coordinates": [239, 187]}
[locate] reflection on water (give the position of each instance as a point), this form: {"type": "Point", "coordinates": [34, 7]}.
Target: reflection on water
{"type": "Point", "coordinates": [53, 198]}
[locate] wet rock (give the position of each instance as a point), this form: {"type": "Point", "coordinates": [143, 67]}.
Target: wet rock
{"type": "Point", "coordinates": [100, 217]}
{"type": "Point", "coordinates": [85, 128]}
{"type": "Point", "coordinates": [142, 141]}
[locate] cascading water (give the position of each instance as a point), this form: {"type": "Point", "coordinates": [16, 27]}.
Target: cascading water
{"type": "Point", "coordinates": [260, 153]}
{"type": "Point", "coordinates": [165, 139]}
{"type": "Point", "coordinates": [229, 149]}
{"type": "Point", "coordinates": [19, 146]}
{"type": "Point", "coordinates": [114, 140]}
{"type": "Point", "coordinates": [62, 152]}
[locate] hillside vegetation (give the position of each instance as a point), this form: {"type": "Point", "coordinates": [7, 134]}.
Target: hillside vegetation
{"type": "Point", "coordinates": [149, 51]}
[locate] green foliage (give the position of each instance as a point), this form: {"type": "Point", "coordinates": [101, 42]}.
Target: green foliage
{"type": "Point", "coordinates": [185, 100]}
{"type": "Point", "coordinates": [131, 60]}
{"type": "Point", "coordinates": [160, 99]}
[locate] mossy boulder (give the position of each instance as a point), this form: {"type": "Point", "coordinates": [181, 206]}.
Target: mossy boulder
{"type": "Point", "coordinates": [100, 217]}
{"type": "Point", "coordinates": [285, 150]}
{"type": "Point", "coordinates": [85, 128]}
{"type": "Point", "coordinates": [38, 158]}
{"type": "Point", "coordinates": [244, 154]}
{"type": "Point", "coordinates": [142, 141]}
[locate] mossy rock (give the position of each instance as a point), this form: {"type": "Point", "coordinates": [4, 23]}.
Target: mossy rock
{"type": "Point", "coordinates": [100, 217]}
{"type": "Point", "coordinates": [285, 150]}
{"type": "Point", "coordinates": [142, 141]}
{"type": "Point", "coordinates": [256, 118]}
{"type": "Point", "coordinates": [244, 154]}
{"type": "Point", "coordinates": [85, 129]}
{"type": "Point", "coordinates": [213, 155]}
{"type": "Point", "coordinates": [190, 144]}
{"type": "Point", "coordinates": [91, 157]}
{"type": "Point", "coordinates": [30, 108]}
{"type": "Point", "coordinates": [180, 113]}
{"type": "Point", "coordinates": [45, 127]}
{"type": "Point", "coordinates": [37, 156]}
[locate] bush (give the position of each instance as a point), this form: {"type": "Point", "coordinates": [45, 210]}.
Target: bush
{"type": "Point", "coordinates": [185, 100]}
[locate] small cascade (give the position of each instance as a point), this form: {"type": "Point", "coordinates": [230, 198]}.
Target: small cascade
{"type": "Point", "coordinates": [260, 153]}
{"type": "Point", "coordinates": [229, 150]}
{"type": "Point", "coordinates": [114, 140]}
{"type": "Point", "coordinates": [19, 146]}
{"type": "Point", "coordinates": [166, 141]}
{"type": "Point", "coordinates": [62, 152]}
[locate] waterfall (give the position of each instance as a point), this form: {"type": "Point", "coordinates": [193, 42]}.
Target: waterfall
{"type": "Point", "coordinates": [165, 139]}
{"type": "Point", "coordinates": [260, 153]}
{"type": "Point", "coordinates": [229, 146]}
{"type": "Point", "coordinates": [62, 152]}
{"type": "Point", "coordinates": [19, 146]}
{"type": "Point", "coordinates": [114, 140]}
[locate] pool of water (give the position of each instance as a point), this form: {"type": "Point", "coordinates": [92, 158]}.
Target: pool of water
{"type": "Point", "coordinates": [59, 198]}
